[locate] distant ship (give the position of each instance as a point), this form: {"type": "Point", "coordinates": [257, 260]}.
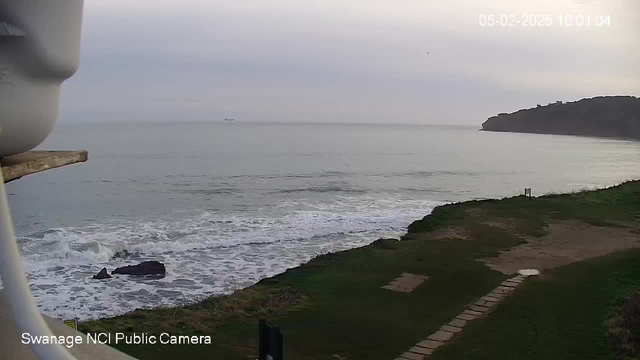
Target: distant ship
{"type": "Point", "coordinates": [227, 119]}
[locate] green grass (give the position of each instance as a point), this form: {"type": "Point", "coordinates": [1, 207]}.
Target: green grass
{"type": "Point", "coordinates": [560, 316]}
{"type": "Point", "coordinates": [333, 305]}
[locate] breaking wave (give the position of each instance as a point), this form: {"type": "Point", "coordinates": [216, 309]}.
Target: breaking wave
{"type": "Point", "coordinates": [321, 189]}
{"type": "Point", "coordinates": [205, 253]}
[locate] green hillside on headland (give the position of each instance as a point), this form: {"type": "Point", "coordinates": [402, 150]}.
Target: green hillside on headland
{"type": "Point", "coordinates": [333, 307]}
{"type": "Point", "coordinates": [608, 116]}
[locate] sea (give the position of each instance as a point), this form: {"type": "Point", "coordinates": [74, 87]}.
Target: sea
{"type": "Point", "coordinates": [225, 204]}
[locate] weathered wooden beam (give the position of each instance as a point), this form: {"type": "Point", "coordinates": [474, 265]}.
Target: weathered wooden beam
{"type": "Point", "coordinates": [17, 166]}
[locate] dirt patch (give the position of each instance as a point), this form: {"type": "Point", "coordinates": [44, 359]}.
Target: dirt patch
{"type": "Point", "coordinates": [475, 212]}
{"type": "Point", "coordinates": [406, 282]}
{"type": "Point", "coordinates": [566, 242]}
{"type": "Point", "coordinates": [502, 224]}
{"type": "Point", "coordinates": [448, 233]}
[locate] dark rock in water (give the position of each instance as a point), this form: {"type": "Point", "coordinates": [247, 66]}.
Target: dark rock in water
{"type": "Point", "coordinates": [103, 274]}
{"type": "Point", "coordinates": [144, 268]}
{"type": "Point", "coordinates": [125, 254]}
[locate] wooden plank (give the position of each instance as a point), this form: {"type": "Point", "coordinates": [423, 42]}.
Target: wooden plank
{"type": "Point", "coordinates": [17, 166]}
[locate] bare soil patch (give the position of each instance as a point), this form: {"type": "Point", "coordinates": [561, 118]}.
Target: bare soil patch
{"type": "Point", "coordinates": [502, 224]}
{"type": "Point", "coordinates": [566, 242]}
{"type": "Point", "coordinates": [448, 233]}
{"type": "Point", "coordinates": [406, 282]}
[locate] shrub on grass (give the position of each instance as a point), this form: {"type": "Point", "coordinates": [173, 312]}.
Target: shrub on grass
{"type": "Point", "coordinates": [624, 329]}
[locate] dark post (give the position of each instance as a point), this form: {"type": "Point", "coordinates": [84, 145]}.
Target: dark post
{"type": "Point", "coordinates": [270, 345]}
{"type": "Point", "coordinates": [263, 339]}
{"type": "Point", "coordinates": [278, 346]}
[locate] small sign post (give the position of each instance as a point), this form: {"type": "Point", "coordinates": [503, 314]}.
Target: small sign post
{"type": "Point", "coordinates": [71, 323]}
{"type": "Point", "coordinates": [270, 342]}
{"type": "Point", "coordinates": [527, 192]}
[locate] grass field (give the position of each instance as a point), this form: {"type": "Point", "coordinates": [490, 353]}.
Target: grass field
{"type": "Point", "coordinates": [561, 315]}
{"type": "Point", "coordinates": [333, 306]}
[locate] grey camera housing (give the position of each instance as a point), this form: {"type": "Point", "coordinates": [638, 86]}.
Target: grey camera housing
{"type": "Point", "coordinates": [39, 49]}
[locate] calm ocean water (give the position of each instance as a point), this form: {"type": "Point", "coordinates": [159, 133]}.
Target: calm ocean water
{"type": "Point", "coordinates": [226, 204]}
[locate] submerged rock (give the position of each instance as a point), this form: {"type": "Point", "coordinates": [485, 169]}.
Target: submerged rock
{"type": "Point", "coordinates": [103, 274]}
{"type": "Point", "coordinates": [125, 254]}
{"type": "Point", "coordinates": [144, 268]}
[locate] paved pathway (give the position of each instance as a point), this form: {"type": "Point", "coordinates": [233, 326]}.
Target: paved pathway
{"type": "Point", "coordinates": [482, 306]}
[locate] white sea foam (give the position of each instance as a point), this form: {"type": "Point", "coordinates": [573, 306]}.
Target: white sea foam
{"type": "Point", "coordinates": [205, 254]}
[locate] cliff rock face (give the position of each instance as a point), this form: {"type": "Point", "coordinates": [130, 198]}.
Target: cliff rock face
{"type": "Point", "coordinates": [610, 116]}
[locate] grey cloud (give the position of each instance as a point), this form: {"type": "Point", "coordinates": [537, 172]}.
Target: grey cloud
{"type": "Point", "coordinates": [334, 62]}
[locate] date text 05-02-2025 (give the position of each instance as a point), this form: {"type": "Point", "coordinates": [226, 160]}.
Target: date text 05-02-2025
{"type": "Point", "coordinates": [510, 20]}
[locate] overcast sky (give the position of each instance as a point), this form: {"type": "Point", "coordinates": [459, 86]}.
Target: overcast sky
{"type": "Point", "coordinates": [393, 61]}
